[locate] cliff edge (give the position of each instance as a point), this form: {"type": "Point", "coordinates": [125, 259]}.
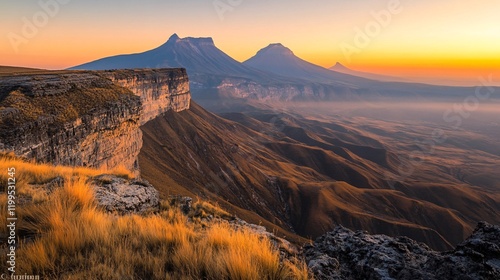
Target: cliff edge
{"type": "Point", "coordinates": [86, 118]}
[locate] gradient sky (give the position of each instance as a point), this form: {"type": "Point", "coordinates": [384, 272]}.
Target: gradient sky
{"type": "Point", "coordinates": [447, 39]}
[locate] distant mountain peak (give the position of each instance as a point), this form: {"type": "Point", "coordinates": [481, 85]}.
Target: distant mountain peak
{"type": "Point", "coordinates": [174, 37]}
{"type": "Point", "coordinates": [200, 40]}
{"type": "Point", "coordinates": [197, 55]}
{"type": "Point", "coordinates": [338, 67]}
{"type": "Point", "coordinates": [280, 60]}
{"type": "Point", "coordinates": [276, 45]}
{"type": "Point", "coordinates": [276, 48]}
{"type": "Point", "coordinates": [171, 41]}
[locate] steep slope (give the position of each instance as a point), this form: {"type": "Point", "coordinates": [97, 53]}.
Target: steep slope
{"type": "Point", "coordinates": [301, 181]}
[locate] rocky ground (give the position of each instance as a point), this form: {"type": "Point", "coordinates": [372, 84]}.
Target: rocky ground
{"type": "Point", "coordinates": [124, 196]}
{"type": "Point", "coordinates": [340, 254]}
{"type": "Point", "coordinates": [344, 254]}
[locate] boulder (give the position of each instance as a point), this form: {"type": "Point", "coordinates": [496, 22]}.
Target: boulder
{"type": "Point", "coordinates": [124, 196]}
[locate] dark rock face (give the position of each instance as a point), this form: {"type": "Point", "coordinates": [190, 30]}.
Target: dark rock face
{"type": "Point", "coordinates": [122, 196]}
{"type": "Point", "coordinates": [344, 254]}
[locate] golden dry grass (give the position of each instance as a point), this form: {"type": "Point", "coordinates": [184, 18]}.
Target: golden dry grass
{"type": "Point", "coordinates": [202, 209]}
{"type": "Point", "coordinates": [29, 173]}
{"type": "Point", "coordinates": [67, 236]}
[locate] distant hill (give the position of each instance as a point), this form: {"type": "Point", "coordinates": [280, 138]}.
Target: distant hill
{"type": "Point", "coordinates": [17, 70]}
{"type": "Point", "coordinates": [280, 60]}
{"type": "Point", "coordinates": [338, 67]}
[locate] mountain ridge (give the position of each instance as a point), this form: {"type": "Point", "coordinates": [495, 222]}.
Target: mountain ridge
{"type": "Point", "coordinates": [305, 177]}
{"type": "Point", "coordinates": [280, 60]}
{"type": "Point", "coordinates": [282, 76]}
{"type": "Point", "coordinates": [197, 55]}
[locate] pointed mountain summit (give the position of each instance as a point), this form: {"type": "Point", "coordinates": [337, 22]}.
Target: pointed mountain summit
{"type": "Point", "coordinates": [280, 60]}
{"type": "Point", "coordinates": [339, 68]}
{"type": "Point", "coordinates": [174, 37]}
{"type": "Point", "coordinates": [197, 55]}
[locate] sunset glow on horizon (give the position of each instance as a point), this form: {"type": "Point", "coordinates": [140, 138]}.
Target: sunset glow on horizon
{"type": "Point", "coordinates": [449, 41]}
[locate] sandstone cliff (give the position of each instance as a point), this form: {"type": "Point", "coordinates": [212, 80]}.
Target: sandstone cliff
{"type": "Point", "coordinates": [160, 90]}
{"type": "Point", "coordinates": [88, 118]}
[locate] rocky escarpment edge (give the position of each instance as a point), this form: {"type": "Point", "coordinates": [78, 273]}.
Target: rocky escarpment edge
{"type": "Point", "coordinates": [86, 118]}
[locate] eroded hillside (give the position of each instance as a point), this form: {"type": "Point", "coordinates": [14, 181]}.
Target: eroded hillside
{"type": "Point", "coordinates": [306, 176]}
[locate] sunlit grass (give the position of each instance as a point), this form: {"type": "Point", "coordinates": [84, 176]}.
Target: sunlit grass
{"type": "Point", "coordinates": [67, 236]}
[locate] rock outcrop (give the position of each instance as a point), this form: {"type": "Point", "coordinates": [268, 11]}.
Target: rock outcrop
{"type": "Point", "coordinates": [123, 196]}
{"type": "Point", "coordinates": [160, 90]}
{"type": "Point", "coordinates": [344, 254]}
{"type": "Point", "coordinates": [86, 118]}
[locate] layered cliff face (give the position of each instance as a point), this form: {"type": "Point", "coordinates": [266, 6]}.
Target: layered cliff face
{"type": "Point", "coordinates": [86, 118]}
{"type": "Point", "coordinates": [160, 90]}
{"type": "Point", "coordinates": [278, 92]}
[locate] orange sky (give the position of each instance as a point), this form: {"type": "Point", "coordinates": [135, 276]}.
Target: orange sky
{"type": "Point", "coordinates": [456, 41]}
